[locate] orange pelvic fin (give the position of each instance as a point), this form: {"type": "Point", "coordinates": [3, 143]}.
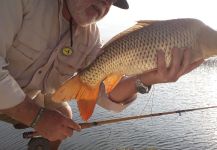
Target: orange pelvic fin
{"type": "Point", "coordinates": [111, 81]}
{"type": "Point", "coordinates": [76, 89]}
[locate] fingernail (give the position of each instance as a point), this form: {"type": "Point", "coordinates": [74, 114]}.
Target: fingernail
{"type": "Point", "coordinates": [79, 128]}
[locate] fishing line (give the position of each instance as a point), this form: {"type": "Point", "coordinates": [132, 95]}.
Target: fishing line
{"type": "Point", "coordinates": [149, 100]}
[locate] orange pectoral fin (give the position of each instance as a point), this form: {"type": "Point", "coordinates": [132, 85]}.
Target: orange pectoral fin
{"type": "Point", "coordinates": [86, 108]}
{"type": "Point", "coordinates": [111, 81]}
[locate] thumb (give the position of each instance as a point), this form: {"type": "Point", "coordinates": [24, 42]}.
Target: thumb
{"type": "Point", "coordinates": [194, 65]}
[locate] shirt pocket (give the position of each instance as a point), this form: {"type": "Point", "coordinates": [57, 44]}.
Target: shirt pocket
{"type": "Point", "coordinates": [25, 50]}
{"type": "Point", "coordinates": [68, 65]}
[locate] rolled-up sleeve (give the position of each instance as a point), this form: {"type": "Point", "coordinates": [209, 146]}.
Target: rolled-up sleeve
{"type": "Point", "coordinates": [11, 15]}
{"type": "Point", "coordinates": [10, 92]}
{"type": "Point", "coordinates": [105, 102]}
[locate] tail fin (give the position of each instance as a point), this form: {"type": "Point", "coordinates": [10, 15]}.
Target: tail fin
{"type": "Point", "coordinates": [76, 89]}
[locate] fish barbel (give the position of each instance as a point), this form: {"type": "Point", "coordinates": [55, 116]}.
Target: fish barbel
{"type": "Point", "coordinates": [133, 52]}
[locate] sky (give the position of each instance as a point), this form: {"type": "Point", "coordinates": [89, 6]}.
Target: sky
{"type": "Point", "coordinates": [117, 19]}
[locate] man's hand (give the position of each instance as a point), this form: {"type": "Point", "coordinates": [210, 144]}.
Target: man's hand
{"type": "Point", "coordinates": [180, 65]}
{"type": "Point", "coordinates": [54, 126]}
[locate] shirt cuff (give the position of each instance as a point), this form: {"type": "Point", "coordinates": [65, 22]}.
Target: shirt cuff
{"type": "Point", "coordinates": [10, 93]}
{"type": "Point", "coordinates": [106, 103]}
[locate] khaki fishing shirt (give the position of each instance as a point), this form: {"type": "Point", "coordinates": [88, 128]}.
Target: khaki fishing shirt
{"type": "Point", "coordinates": [33, 34]}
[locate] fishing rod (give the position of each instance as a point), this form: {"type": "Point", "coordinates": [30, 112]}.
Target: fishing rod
{"type": "Point", "coordinates": [103, 122]}
{"type": "Point", "coordinates": [86, 125]}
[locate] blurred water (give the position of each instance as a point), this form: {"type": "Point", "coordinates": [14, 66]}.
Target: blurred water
{"type": "Point", "coordinates": [191, 131]}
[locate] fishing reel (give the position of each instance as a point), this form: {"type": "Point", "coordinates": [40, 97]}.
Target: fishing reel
{"type": "Point", "coordinates": [37, 142]}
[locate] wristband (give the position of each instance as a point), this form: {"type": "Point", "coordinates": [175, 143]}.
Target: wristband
{"type": "Point", "coordinates": [37, 117]}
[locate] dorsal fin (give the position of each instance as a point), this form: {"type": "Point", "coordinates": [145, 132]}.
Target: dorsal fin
{"type": "Point", "coordinates": [139, 25]}
{"type": "Point", "coordinates": [147, 22]}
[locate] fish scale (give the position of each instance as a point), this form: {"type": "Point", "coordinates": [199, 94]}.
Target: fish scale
{"type": "Point", "coordinates": [133, 52]}
{"type": "Point", "coordinates": [136, 53]}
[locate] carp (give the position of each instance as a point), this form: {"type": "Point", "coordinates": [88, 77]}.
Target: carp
{"type": "Point", "coordinates": [134, 51]}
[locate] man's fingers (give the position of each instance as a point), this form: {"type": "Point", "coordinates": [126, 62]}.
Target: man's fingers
{"type": "Point", "coordinates": [175, 62]}
{"type": "Point", "coordinates": [62, 137]}
{"type": "Point", "coordinates": [68, 132]}
{"type": "Point", "coordinates": [161, 63]}
{"type": "Point", "coordinates": [185, 63]}
{"type": "Point", "coordinates": [180, 64]}
{"type": "Point", "coordinates": [193, 66]}
{"type": "Point", "coordinates": [71, 124]}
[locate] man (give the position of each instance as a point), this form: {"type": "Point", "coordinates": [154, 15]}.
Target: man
{"type": "Point", "coordinates": [43, 43]}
